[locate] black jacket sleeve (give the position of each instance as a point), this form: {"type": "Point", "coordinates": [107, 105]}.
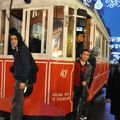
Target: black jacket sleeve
{"type": "Point", "coordinates": [25, 59]}
{"type": "Point", "coordinates": [109, 83]}
{"type": "Point", "coordinates": [92, 61]}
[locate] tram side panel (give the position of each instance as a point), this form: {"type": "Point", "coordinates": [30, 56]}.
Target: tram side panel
{"type": "Point", "coordinates": [39, 91]}
{"type": "Point", "coordinates": [40, 85]}
{"type": "Point", "coordinates": [60, 86]}
{"type": "Point", "coordinates": [100, 78]}
{"type": "Point", "coordinates": [35, 103]}
{"type": "Point", "coordinates": [8, 79]}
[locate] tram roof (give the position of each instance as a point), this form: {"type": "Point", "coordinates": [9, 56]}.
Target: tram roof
{"type": "Point", "coordinates": [38, 3]}
{"type": "Point", "coordinates": [4, 4]}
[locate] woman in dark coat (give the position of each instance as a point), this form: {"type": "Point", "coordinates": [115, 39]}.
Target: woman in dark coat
{"type": "Point", "coordinates": [113, 89]}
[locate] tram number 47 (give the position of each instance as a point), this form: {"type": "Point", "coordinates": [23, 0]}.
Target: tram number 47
{"type": "Point", "coordinates": [63, 73]}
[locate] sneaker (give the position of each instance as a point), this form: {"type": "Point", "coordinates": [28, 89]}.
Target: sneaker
{"type": "Point", "coordinates": [83, 118]}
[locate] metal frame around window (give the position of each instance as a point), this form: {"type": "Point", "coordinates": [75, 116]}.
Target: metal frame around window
{"type": "Point", "coordinates": [25, 32]}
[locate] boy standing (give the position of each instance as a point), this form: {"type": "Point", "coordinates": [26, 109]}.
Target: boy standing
{"type": "Point", "coordinates": [81, 81]}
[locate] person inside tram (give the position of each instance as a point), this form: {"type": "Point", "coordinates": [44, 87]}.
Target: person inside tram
{"type": "Point", "coordinates": [81, 80]}
{"type": "Point", "coordinates": [21, 70]}
{"type": "Point", "coordinates": [79, 43]}
{"type": "Point", "coordinates": [92, 60]}
{"type": "Point", "coordinates": [35, 45]}
{"type": "Point", "coordinates": [112, 90]}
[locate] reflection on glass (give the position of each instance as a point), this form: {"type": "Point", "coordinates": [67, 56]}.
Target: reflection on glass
{"type": "Point", "coordinates": [98, 38]}
{"type": "Point", "coordinates": [57, 41]}
{"type": "Point", "coordinates": [70, 37]}
{"type": "Point", "coordinates": [106, 50]}
{"type": "Point", "coordinates": [70, 33]}
{"type": "Point", "coordinates": [97, 42]}
{"type": "Point", "coordinates": [103, 47]}
{"type": "Point", "coordinates": [38, 31]}
{"type": "Point", "coordinates": [2, 32]}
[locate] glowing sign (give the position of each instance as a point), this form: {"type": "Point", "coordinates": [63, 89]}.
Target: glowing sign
{"type": "Point", "coordinates": [115, 49]}
{"type": "Point", "coordinates": [87, 2]}
{"type": "Point", "coordinates": [99, 5]}
{"type": "Point", "coordinates": [113, 3]}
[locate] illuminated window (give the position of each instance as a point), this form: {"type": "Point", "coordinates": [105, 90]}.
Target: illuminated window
{"type": "Point", "coordinates": [107, 46]}
{"type": "Point", "coordinates": [2, 31]}
{"type": "Point", "coordinates": [57, 39]}
{"type": "Point", "coordinates": [98, 42]}
{"type": "Point", "coordinates": [103, 47]}
{"type": "Point", "coordinates": [70, 33]}
{"type": "Point", "coordinates": [98, 38]}
{"type": "Point", "coordinates": [38, 31]}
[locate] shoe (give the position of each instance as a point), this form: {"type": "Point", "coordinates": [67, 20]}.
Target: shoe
{"type": "Point", "coordinates": [83, 118]}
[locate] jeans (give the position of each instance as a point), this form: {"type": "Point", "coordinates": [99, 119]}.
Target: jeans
{"type": "Point", "coordinates": [80, 104]}
{"type": "Point", "coordinates": [17, 103]}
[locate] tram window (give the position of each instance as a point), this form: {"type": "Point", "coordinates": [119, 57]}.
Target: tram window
{"type": "Point", "coordinates": [107, 50]}
{"type": "Point", "coordinates": [70, 36]}
{"type": "Point", "coordinates": [103, 47]}
{"type": "Point", "coordinates": [15, 22]}
{"type": "Point", "coordinates": [38, 31]}
{"type": "Point", "coordinates": [98, 41]}
{"type": "Point", "coordinates": [2, 31]}
{"type": "Point", "coordinates": [98, 38]}
{"type": "Point", "coordinates": [57, 39]}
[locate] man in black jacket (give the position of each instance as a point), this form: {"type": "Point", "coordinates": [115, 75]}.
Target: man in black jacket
{"type": "Point", "coordinates": [21, 70]}
{"type": "Point", "coordinates": [112, 91]}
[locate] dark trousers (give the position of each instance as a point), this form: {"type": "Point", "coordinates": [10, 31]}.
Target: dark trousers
{"type": "Point", "coordinates": [77, 94]}
{"type": "Point", "coordinates": [80, 105]}
{"type": "Point", "coordinates": [117, 117]}
{"type": "Point", "coordinates": [17, 103]}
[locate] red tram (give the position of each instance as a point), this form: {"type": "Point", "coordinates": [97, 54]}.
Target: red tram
{"type": "Point", "coordinates": [49, 26]}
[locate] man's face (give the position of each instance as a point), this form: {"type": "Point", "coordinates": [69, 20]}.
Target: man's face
{"type": "Point", "coordinates": [85, 56]}
{"type": "Point", "coordinates": [79, 38]}
{"type": "Point", "coordinates": [13, 41]}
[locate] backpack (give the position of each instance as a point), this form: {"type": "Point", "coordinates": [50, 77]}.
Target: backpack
{"type": "Point", "coordinates": [31, 77]}
{"type": "Point", "coordinates": [33, 71]}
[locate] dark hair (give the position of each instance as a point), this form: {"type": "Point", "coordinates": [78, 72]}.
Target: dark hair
{"type": "Point", "coordinates": [13, 31]}
{"type": "Point", "coordinates": [79, 32]}
{"type": "Point", "coordinates": [85, 50]}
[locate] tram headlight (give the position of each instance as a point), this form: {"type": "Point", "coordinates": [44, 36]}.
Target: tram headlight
{"type": "Point", "coordinates": [27, 1]}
